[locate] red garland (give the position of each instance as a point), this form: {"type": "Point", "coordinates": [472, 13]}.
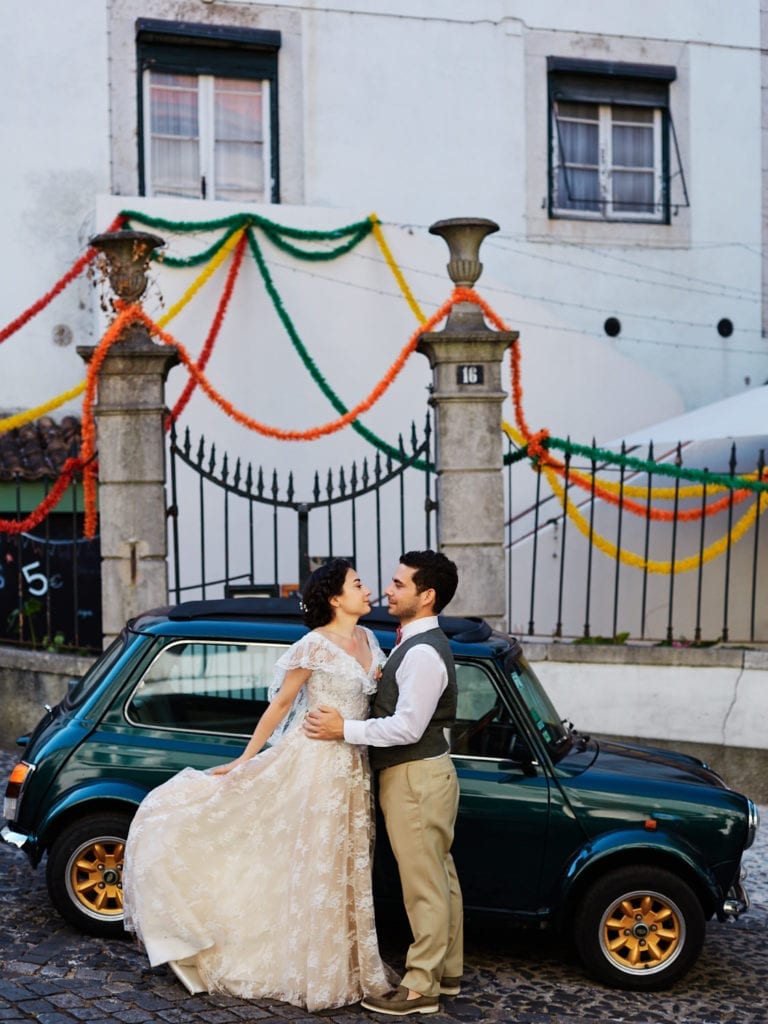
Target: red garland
{"type": "Point", "coordinates": [540, 454]}
{"type": "Point", "coordinates": [49, 502]}
{"type": "Point", "coordinates": [221, 312]}
{"type": "Point", "coordinates": [76, 269]}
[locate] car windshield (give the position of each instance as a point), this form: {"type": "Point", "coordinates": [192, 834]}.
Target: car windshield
{"type": "Point", "coordinates": [80, 688]}
{"type": "Point", "coordinates": [540, 707]}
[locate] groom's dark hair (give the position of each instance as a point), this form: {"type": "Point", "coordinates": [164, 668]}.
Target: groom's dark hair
{"type": "Point", "coordinates": [434, 571]}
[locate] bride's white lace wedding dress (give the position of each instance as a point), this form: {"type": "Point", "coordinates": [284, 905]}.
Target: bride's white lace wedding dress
{"type": "Point", "coordinates": [263, 876]}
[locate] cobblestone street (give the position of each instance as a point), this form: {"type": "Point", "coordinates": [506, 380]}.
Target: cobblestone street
{"type": "Point", "coordinates": [52, 974]}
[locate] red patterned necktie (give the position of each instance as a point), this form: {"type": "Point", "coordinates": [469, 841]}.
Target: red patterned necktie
{"type": "Point", "coordinates": [398, 635]}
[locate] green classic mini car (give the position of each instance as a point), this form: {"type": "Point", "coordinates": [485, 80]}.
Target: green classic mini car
{"type": "Point", "coordinates": [628, 850]}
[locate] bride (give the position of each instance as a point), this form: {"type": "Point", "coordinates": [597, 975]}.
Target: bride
{"type": "Point", "coordinates": [255, 878]}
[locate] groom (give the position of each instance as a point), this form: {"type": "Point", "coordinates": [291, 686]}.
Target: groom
{"type": "Point", "coordinates": [418, 788]}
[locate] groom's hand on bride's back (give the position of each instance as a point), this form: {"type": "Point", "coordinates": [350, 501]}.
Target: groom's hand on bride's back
{"type": "Point", "coordinates": [324, 723]}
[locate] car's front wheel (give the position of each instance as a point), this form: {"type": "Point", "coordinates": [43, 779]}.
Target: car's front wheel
{"type": "Point", "coordinates": [639, 927]}
{"type": "Point", "coordinates": [85, 873]}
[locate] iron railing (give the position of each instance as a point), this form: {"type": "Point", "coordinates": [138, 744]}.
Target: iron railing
{"type": "Point", "coordinates": [602, 573]}
{"type": "Point", "coordinates": [50, 577]}
{"type": "Point", "coordinates": [244, 530]}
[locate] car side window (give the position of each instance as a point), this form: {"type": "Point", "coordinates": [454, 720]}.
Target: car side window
{"type": "Point", "coordinates": [205, 687]}
{"type": "Point", "coordinates": [482, 727]}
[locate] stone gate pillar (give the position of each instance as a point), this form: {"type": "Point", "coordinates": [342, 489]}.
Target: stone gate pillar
{"type": "Point", "coordinates": [131, 446]}
{"type": "Point", "coordinates": [466, 358]}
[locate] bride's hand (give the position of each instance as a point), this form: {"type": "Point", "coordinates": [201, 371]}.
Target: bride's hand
{"type": "Point", "coordinates": [225, 769]}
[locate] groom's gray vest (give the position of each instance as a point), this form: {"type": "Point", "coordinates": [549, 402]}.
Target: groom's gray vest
{"type": "Point", "coordinates": [433, 742]}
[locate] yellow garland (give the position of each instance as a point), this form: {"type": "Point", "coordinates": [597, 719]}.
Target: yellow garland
{"type": "Point", "coordinates": [657, 493]}
{"type": "Point", "coordinates": [397, 273]}
{"type": "Point", "coordinates": [630, 490]}
{"type": "Point", "coordinates": [636, 561]}
{"type": "Point", "coordinates": [199, 281]}
{"type": "Point", "coordinates": [21, 418]}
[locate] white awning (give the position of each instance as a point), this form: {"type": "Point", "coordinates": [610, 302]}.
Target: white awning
{"type": "Point", "coordinates": [740, 416]}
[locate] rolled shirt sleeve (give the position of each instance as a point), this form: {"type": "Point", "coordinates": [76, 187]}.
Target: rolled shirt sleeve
{"type": "Point", "coordinates": [421, 679]}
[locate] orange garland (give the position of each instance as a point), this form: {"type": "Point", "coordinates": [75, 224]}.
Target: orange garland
{"type": "Point", "coordinates": [535, 441]}
{"type": "Point", "coordinates": [538, 452]}
{"type": "Point", "coordinates": [125, 316]}
{"type": "Point", "coordinates": [134, 313]}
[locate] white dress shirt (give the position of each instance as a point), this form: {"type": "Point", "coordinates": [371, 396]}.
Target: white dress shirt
{"type": "Point", "coordinates": [421, 678]}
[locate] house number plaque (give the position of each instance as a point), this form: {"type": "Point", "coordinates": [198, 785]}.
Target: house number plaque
{"type": "Point", "coordinates": [470, 373]}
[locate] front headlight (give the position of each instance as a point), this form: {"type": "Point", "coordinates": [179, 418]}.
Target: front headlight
{"type": "Point", "coordinates": [19, 776]}
{"type": "Point", "coordinates": [753, 823]}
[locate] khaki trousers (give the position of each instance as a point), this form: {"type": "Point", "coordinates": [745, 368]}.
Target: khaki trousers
{"type": "Point", "coordinates": [419, 800]}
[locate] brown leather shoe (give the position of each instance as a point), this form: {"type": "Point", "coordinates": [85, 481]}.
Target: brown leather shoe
{"type": "Point", "coordinates": [398, 1004]}
{"type": "Point", "coordinates": [450, 986]}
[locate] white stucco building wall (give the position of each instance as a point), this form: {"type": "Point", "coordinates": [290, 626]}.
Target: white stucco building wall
{"type": "Point", "coordinates": [419, 111]}
{"type": "Point", "coordinates": [422, 111]}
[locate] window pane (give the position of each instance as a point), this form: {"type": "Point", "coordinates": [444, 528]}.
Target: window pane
{"type": "Point", "coordinates": [578, 133]}
{"type": "Point", "coordinates": [578, 146]}
{"type": "Point", "coordinates": [175, 167]}
{"type": "Point", "coordinates": [206, 687]}
{"type": "Point", "coordinates": [239, 139]}
{"type": "Point", "coordinates": [239, 171]}
{"type": "Point", "coordinates": [633, 115]}
{"type": "Point", "coordinates": [238, 110]}
{"type": "Point", "coordinates": [632, 147]}
{"type": "Point", "coordinates": [174, 130]}
{"type": "Point", "coordinates": [173, 103]}
{"type": "Point", "coordinates": [578, 111]}
{"type": "Point", "coordinates": [578, 189]}
{"type": "Point", "coordinates": [580, 143]}
{"type": "Point", "coordinates": [633, 192]}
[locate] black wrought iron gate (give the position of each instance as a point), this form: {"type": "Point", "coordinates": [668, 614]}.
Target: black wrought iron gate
{"type": "Point", "coordinates": [240, 530]}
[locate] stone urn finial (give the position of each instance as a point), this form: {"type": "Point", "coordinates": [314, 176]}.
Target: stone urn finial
{"type": "Point", "coordinates": [127, 255]}
{"type": "Point", "coordinates": [464, 235]}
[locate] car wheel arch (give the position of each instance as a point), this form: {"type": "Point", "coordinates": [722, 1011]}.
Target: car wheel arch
{"type": "Point", "coordinates": [83, 804]}
{"type": "Point", "coordinates": [575, 884]}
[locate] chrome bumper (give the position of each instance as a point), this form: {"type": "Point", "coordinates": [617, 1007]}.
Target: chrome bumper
{"type": "Point", "coordinates": [736, 902]}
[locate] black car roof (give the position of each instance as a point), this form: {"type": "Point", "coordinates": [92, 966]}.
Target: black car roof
{"type": "Point", "coordinates": [466, 630]}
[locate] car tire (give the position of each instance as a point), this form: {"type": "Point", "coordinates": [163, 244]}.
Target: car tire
{"type": "Point", "coordinates": [639, 927]}
{"type": "Point", "coordinates": [84, 873]}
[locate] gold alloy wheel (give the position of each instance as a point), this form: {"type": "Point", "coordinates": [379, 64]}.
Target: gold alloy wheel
{"type": "Point", "coordinates": [95, 876]}
{"type": "Point", "coordinates": [642, 932]}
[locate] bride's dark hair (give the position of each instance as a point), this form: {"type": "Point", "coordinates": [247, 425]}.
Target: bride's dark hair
{"type": "Point", "coordinates": [325, 582]}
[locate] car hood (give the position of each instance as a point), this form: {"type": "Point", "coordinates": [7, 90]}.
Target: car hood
{"type": "Point", "coordinates": [597, 757]}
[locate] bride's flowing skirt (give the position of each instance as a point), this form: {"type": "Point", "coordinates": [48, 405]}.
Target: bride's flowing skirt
{"type": "Point", "coordinates": [262, 875]}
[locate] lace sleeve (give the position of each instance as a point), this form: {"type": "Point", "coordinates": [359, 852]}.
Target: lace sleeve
{"type": "Point", "coordinates": [305, 653]}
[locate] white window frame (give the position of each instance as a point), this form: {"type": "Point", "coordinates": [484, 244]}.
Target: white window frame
{"type": "Point", "coordinates": [206, 119]}
{"type": "Point", "coordinates": [606, 169]}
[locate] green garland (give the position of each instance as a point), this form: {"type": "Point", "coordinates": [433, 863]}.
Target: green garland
{"type": "Point", "coordinates": [324, 254]}
{"type": "Point", "coordinates": [648, 466]}
{"type": "Point", "coordinates": [201, 257]}
{"type": "Point", "coordinates": [310, 364]}
{"type": "Point", "coordinates": [351, 234]}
